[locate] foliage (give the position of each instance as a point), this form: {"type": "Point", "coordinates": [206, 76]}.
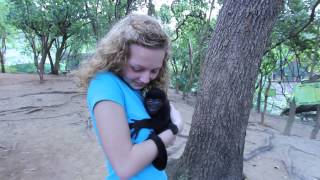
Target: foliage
{"type": "Point", "coordinates": [193, 29]}
{"type": "Point", "coordinates": [302, 47]}
{"type": "Point", "coordinates": [189, 23]}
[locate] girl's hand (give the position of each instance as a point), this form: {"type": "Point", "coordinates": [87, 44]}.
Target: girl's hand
{"type": "Point", "coordinates": [176, 117]}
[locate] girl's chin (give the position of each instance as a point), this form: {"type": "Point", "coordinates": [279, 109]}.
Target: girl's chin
{"type": "Point", "coordinates": [137, 87]}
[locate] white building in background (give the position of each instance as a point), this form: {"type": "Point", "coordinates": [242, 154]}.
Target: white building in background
{"type": "Point", "coordinates": [13, 57]}
{"type": "Point", "coordinates": [293, 72]}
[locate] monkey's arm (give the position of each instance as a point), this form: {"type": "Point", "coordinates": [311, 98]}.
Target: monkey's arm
{"type": "Point", "coordinates": [139, 124]}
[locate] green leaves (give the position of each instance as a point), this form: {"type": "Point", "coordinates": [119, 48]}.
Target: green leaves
{"type": "Point", "coordinates": [189, 28]}
{"type": "Point", "coordinates": [295, 38]}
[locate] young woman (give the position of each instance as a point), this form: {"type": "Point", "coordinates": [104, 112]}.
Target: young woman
{"type": "Point", "coordinates": [129, 60]}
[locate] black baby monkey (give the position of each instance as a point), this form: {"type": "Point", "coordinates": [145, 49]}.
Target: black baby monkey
{"type": "Point", "coordinates": [158, 107]}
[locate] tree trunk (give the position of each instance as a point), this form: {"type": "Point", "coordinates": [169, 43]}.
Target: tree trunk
{"type": "Point", "coordinates": [292, 114]}
{"type": "Point", "coordinates": [41, 69]}
{"type": "Point", "coordinates": [266, 95]}
{"type": "Point", "coordinates": [190, 80]}
{"type": "Point", "coordinates": [35, 51]}
{"type": "Point", "coordinates": [59, 54]}
{"type": "Point", "coordinates": [259, 92]}
{"type": "Point", "coordinates": [56, 67]}
{"type": "Point", "coordinates": [298, 77]}
{"type": "Point", "coordinates": [3, 70]}
{"type": "Point", "coordinates": [94, 22]}
{"type": "Point", "coordinates": [51, 63]}
{"type": "Point", "coordinates": [129, 7]}
{"type": "Point", "coordinates": [175, 73]}
{"type": "Point", "coordinates": [281, 69]}
{"type": "Point", "coordinates": [2, 52]}
{"type": "Point", "coordinates": [151, 8]}
{"type": "Point", "coordinates": [317, 125]}
{"type": "Point", "coordinates": [315, 57]}
{"type": "Point", "coordinates": [215, 146]}
{"type": "Point", "coordinates": [117, 10]}
{"type": "Point", "coordinates": [35, 60]}
{"type": "Point", "coordinates": [45, 49]}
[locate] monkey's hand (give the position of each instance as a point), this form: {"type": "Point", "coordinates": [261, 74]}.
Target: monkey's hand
{"type": "Point", "coordinates": [137, 125]}
{"type": "Point", "coordinates": [176, 117]}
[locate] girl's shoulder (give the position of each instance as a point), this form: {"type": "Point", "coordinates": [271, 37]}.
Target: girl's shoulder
{"type": "Point", "coordinates": [105, 75]}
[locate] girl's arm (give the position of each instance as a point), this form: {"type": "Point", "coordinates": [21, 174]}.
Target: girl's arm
{"type": "Point", "coordinates": [126, 158]}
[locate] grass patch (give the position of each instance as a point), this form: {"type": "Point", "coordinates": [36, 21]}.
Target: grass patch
{"type": "Point", "coordinates": [27, 68]}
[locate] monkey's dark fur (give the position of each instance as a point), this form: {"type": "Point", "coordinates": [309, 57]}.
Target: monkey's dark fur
{"type": "Point", "coordinates": [158, 107]}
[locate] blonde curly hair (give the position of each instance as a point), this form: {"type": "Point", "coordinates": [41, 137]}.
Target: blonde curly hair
{"type": "Point", "coordinates": [113, 50]}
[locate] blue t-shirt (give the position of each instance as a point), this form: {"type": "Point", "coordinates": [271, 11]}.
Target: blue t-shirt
{"type": "Point", "coordinates": [107, 86]}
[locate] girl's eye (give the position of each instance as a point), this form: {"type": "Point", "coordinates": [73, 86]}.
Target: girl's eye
{"type": "Point", "coordinates": [136, 69]}
{"type": "Point", "coordinates": [155, 71]}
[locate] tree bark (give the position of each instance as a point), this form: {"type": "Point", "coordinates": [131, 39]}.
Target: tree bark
{"type": "Point", "coordinates": [315, 57]}
{"type": "Point", "coordinates": [259, 92]}
{"type": "Point", "coordinates": [51, 63]}
{"type": "Point", "coordinates": [117, 10]}
{"type": "Point", "coordinates": [35, 50]}
{"type": "Point", "coordinates": [61, 48]}
{"type": "Point", "coordinates": [129, 6]}
{"type": "Point", "coordinates": [45, 49]}
{"type": "Point", "coordinates": [292, 113]}
{"type": "Point", "coordinates": [151, 8]}
{"type": "Point", "coordinates": [94, 22]}
{"type": "Point", "coordinates": [2, 52]}
{"type": "Point", "coordinates": [295, 32]}
{"type": "Point", "coordinates": [317, 125]}
{"type": "Point", "coordinates": [175, 73]}
{"type": "Point", "coordinates": [3, 70]}
{"type": "Point", "coordinates": [190, 80]}
{"type": "Point", "coordinates": [266, 95]}
{"type": "Point", "coordinates": [216, 142]}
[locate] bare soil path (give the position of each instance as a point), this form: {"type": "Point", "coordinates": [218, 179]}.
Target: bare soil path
{"type": "Point", "coordinates": [45, 135]}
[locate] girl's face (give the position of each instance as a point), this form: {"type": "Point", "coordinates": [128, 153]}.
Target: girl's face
{"type": "Point", "coordinates": [143, 66]}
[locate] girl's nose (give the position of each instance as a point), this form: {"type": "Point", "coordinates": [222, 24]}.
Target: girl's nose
{"type": "Point", "coordinates": [145, 77]}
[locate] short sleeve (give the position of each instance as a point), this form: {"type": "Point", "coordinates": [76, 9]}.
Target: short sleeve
{"type": "Point", "coordinates": [104, 86]}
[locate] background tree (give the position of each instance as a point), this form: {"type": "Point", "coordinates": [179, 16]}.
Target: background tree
{"type": "Point", "coordinates": [215, 146]}
{"type": "Point", "coordinates": [4, 29]}
{"type": "Point", "coordinates": [48, 24]}
{"type": "Point", "coordinates": [31, 18]}
{"type": "Point", "coordinates": [68, 18]}
{"type": "Point", "coordinates": [293, 48]}
{"type": "Point", "coordinates": [192, 30]}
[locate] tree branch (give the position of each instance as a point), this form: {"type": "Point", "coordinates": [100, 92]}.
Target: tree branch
{"type": "Point", "coordinates": [184, 21]}
{"type": "Point", "coordinates": [293, 34]}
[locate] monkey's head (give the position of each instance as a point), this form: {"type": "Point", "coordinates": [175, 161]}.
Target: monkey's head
{"type": "Point", "coordinates": [154, 100]}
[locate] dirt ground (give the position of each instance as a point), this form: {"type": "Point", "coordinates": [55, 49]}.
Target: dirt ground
{"type": "Point", "coordinates": [45, 135]}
